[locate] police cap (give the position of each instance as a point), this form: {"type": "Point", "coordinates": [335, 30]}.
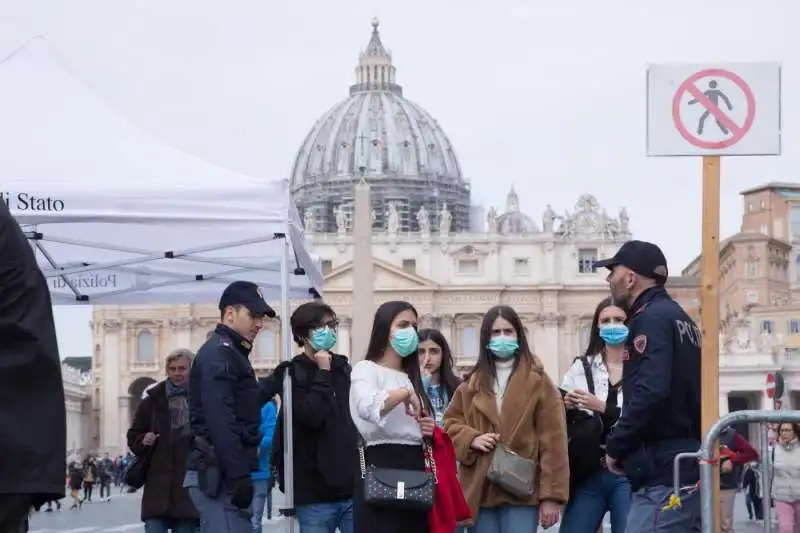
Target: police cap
{"type": "Point", "coordinates": [644, 258]}
{"type": "Point", "coordinates": [247, 294]}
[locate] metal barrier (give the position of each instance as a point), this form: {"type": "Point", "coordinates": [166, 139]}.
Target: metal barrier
{"type": "Point", "coordinates": [706, 457]}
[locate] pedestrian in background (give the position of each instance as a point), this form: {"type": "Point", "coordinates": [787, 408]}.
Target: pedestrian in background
{"type": "Point", "coordinates": [262, 479]}
{"type": "Point", "coordinates": [161, 433]}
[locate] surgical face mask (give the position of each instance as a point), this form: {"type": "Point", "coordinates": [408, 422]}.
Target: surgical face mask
{"type": "Point", "coordinates": [404, 341]}
{"type": "Point", "coordinates": [323, 338]}
{"type": "Point", "coordinates": [614, 334]}
{"type": "Point", "coordinates": [503, 347]}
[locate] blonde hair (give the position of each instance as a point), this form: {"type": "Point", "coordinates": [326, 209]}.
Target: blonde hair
{"type": "Point", "coordinates": [176, 354]}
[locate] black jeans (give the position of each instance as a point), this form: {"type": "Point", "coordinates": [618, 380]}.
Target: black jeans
{"type": "Point", "coordinates": [755, 507]}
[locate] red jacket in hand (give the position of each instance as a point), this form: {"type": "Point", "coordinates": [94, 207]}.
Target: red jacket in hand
{"type": "Point", "coordinates": [449, 505]}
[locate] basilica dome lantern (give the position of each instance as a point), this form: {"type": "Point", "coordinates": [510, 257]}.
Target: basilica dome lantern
{"type": "Point", "coordinates": [378, 135]}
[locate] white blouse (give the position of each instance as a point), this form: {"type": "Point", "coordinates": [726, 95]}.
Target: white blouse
{"type": "Point", "coordinates": [575, 378]}
{"type": "Point", "coordinates": [370, 384]}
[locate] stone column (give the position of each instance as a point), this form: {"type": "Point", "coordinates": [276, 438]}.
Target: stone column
{"type": "Point", "coordinates": [723, 403]}
{"type": "Point", "coordinates": [124, 413]}
{"type": "Point", "coordinates": [114, 356]}
{"type": "Point", "coordinates": [343, 344]}
{"type": "Point", "coordinates": [446, 327]}
{"type": "Point", "coordinates": [363, 306]}
{"type": "Point", "coordinates": [182, 332]}
{"type": "Point", "coordinates": [547, 345]}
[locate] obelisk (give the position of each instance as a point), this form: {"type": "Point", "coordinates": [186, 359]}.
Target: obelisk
{"type": "Point", "coordinates": [363, 304]}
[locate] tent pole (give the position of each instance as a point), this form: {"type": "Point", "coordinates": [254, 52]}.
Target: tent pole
{"type": "Point", "coordinates": [286, 341]}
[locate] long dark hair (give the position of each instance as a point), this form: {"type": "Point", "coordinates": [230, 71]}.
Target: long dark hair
{"type": "Point", "coordinates": [484, 369]}
{"type": "Point", "coordinates": [379, 341]}
{"type": "Point", "coordinates": [447, 377]}
{"type": "Point", "coordinates": [596, 344]}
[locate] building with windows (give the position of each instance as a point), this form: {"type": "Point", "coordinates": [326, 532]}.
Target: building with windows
{"type": "Point", "coordinates": [759, 305]}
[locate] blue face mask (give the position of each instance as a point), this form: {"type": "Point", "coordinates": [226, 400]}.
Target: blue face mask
{"type": "Point", "coordinates": [503, 347]}
{"type": "Point", "coordinates": [614, 334]}
{"type": "Point", "coordinates": [323, 338]}
{"type": "Point", "coordinates": [405, 341]}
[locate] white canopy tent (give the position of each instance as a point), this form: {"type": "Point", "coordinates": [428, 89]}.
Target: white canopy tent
{"type": "Point", "coordinates": [117, 217]}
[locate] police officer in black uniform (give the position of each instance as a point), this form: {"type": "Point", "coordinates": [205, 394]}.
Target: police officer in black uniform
{"type": "Point", "coordinates": [225, 409]}
{"type": "Point", "coordinates": [661, 392]}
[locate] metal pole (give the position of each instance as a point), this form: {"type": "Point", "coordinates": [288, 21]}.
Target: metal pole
{"type": "Point", "coordinates": [766, 479]}
{"type": "Point", "coordinates": [288, 436]}
{"type": "Point", "coordinates": [676, 469]}
{"type": "Point", "coordinates": [707, 454]}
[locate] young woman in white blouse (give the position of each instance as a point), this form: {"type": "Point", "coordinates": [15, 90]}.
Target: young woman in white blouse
{"type": "Point", "coordinates": [600, 491]}
{"type": "Point", "coordinates": [392, 414]}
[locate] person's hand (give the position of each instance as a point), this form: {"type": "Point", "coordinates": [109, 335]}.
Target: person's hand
{"type": "Point", "coordinates": [613, 466]}
{"type": "Point", "coordinates": [726, 466]}
{"type": "Point", "coordinates": [587, 400]}
{"type": "Point", "coordinates": [485, 442]}
{"type": "Point", "coordinates": [426, 426]}
{"type": "Point", "coordinates": [413, 404]}
{"type": "Point", "coordinates": [549, 514]}
{"type": "Point", "coordinates": [571, 400]}
{"type": "Point", "coordinates": [149, 439]}
{"type": "Point", "coordinates": [242, 492]}
{"type": "Point", "coordinates": [323, 359]}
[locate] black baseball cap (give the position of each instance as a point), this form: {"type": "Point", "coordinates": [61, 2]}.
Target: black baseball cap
{"type": "Point", "coordinates": [248, 294]}
{"type": "Point", "coordinates": [644, 258]}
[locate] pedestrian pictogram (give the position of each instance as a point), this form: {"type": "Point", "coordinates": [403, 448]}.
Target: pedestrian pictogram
{"type": "Point", "coordinates": [726, 109]}
{"type": "Point", "coordinates": [713, 95]}
{"type": "Point", "coordinates": [715, 104]}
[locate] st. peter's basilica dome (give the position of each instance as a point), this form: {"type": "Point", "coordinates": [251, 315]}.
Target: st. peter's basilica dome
{"type": "Point", "coordinates": [394, 144]}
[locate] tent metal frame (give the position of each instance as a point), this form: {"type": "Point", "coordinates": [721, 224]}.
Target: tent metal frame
{"type": "Point", "coordinates": [130, 265]}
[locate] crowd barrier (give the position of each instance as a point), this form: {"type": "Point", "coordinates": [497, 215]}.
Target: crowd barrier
{"type": "Point", "coordinates": [709, 452]}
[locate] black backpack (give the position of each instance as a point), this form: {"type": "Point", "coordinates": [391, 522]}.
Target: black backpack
{"type": "Point", "coordinates": [584, 433]}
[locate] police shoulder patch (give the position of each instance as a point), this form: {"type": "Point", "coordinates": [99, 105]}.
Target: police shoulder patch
{"type": "Point", "coordinates": [640, 343]}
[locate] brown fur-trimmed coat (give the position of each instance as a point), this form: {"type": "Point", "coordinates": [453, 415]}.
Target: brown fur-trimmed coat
{"type": "Point", "coordinates": [531, 423]}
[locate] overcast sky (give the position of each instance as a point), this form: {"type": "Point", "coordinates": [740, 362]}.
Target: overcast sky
{"type": "Point", "coordinates": [547, 96]}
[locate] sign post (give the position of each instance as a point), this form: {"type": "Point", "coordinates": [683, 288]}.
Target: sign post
{"type": "Point", "coordinates": [712, 111]}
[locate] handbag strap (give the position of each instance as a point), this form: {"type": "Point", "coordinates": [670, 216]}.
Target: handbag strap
{"type": "Point", "coordinates": [430, 463]}
{"type": "Point", "coordinates": [587, 371]}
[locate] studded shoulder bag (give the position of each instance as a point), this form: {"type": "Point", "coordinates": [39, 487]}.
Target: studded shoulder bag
{"type": "Point", "coordinates": [403, 489]}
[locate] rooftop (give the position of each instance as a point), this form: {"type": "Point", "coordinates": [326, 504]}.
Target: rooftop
{"type": "Point", "coordinates": [773, 185]}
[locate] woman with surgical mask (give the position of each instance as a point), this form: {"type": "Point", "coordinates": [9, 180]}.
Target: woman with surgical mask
{"type": "Point", "coordinates": [508, 400]}
{"type": "Point", "coordinates": [602, 491]}
{"type": "Point", "coordinates": [392, 413]}
{"type": "Point", "coordinates": [439, 380]}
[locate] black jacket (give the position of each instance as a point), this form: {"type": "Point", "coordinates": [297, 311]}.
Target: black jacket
{"type": "Point", "coordinates": [661, 401]}
{"type": "Point", "coordinates": [325, 438]}
{"type": "Point", "coordinates": [33, 434]}
{"type": "Point", "coordinates": [224, 402]}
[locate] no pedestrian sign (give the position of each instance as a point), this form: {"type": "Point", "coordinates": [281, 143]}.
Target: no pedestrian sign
{"type": "Point", "coordinates": [695, 110]}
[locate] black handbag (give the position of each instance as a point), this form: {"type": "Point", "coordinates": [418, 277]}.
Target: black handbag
{"type": "Point", "coordinates": [135, 474]}
{"type": "Point", "coordinates": [584, 432]}
{"type": "Point", "coordinates": [402, 489]}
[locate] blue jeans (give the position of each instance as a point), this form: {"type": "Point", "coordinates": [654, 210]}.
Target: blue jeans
{"type": "Point", "coordinates": [602, 492]}
{"type": "Point", "coordinates": [326, 517]}
{"type": "Point", "coordinates": [165, 525]}
{"type": "Point", "coordinates": [508, 519]}
{"type": "Point", "coordinates": [262, 498]}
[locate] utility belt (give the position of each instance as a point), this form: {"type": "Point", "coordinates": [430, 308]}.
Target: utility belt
{"type": "Point", "coordinates": [203, 459]}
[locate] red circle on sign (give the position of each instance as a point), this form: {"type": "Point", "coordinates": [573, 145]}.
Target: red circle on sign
{"type": "Point", "coordinates": [770, 385]}
{"type": "Point", "coordinates": [740, 132]}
